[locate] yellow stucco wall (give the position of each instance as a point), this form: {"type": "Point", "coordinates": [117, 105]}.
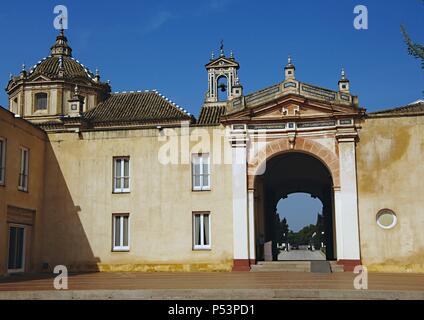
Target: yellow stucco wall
{"type": "Point", "coordinates": [19, 133]}
{"type": "Point", "coordinates": [79, 204]}
{"type": "Point", "coordinates": [390, 175]}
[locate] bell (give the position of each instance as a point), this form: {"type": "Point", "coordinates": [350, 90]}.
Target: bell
{"type": "Point", "coordinates": [223, 87]}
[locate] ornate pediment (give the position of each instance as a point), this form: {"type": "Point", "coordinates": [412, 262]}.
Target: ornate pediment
{"type": "Point", "coordinates": [222, 62]}
{"type": "Point", "coordinates": [293, 108]}
{"type": "Point", "coordinates": [40, 78]}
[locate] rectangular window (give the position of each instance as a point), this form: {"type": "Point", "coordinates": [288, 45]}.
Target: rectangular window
{"type": "Point", "coordinates": [201, 231]}
{"type": "Point", "coordinates": [121, 176]}
{"type": "Point", "coordinates": [16, 261]}
{"type": "Point", "coordinates": [2, 161]}
{"type": "Point", "coordinates": [121, 232]}
{"type": "Point", "coordinates": [23, 171]}
{"type": "Point", "coordinates": [41, 101]}
{"type": "Point", "coordinates": [201, 172]}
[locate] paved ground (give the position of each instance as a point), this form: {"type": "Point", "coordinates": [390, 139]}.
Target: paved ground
{"type": "Point", "coordinates": [243, 285]}
{"type": "Point", "coordinates": [300, 255]}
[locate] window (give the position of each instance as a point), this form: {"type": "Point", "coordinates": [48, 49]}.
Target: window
{"type": "Point", "coordinates": [201, 172]}
{"type": "Point", "coordinates": [14, 108]}
{"type": "Point", "coordinates": [121, 178]}
{"type": "Point", "coordinates": [121, 232]}
{"type": "Point", "coordinates": [201, 231]}
{"type": "Point", "coordinates": [16, 262]}
{"type": "Point", "coordinates": [386, 219]}
{"type": "Point", "coordinates": [23, 171]}
{"type": "Point", "coordinates": [41, 101]}
{"type": "Point", "coordinates": [2, 161]}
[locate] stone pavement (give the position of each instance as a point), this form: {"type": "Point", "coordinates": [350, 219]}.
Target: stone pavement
{"type": "Point", "coordinates": [213, 286]}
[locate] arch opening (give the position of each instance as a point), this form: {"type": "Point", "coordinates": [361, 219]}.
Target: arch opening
{"type": "Point", "coordinates": [299, 187]}
{"type": "Point", "coordinates": [222, 88]}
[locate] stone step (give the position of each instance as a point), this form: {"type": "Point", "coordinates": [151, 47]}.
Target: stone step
{"type": "Point", "coordinates": [285, 265]}
{"type": "Point", "coordinates": [336, 267]}
{"type": "Point", "coordinates": [279, 270]}
{"type": "Point", "coordinates": [291, 266]}
{"type": "Point", "coordinates": [282, 266]}
{"type": "Point", "coordinates": [283, 262]}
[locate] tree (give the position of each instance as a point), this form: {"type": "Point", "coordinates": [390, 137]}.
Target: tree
{"type": "Point", "coordinates": [285, 229]}
{"type": "Point", "coordinates": [415, 49]}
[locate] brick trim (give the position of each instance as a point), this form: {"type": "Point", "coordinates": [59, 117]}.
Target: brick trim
{"type": "Point", "coordinates": [349, 265]}
{"type": "Point", "coordinates": [308, 146]}
{"type": "Point", "coordinates": [241, 265]}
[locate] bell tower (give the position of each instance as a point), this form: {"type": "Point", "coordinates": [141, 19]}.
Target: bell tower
{"type": "Point", "coordinates": [223, 81]}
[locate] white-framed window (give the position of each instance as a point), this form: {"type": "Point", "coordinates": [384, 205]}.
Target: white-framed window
{"type": "Point", "coordinates": [2, 161]}
{"type": "Point", "coordinates": [121, 174]}
{"type": "Point", "coordinates": [23, 170]}
{"type": "Point", "coordinates": [201, 172]}
{"type": "Point", "coordinates": [201, 231]}
{"type": "Point", "coordinates": [386, 219]}
{"type": "Point", "coordinates": [121, 232]}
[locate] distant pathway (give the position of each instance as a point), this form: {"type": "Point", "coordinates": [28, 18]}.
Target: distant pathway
{"type": "Point", "coordinates": [300, 255]}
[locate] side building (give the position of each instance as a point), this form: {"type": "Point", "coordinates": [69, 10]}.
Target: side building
{"type": "Point", "coordinates": [22, 150]}
{"type": "Point", "coordinates": [129, 182]}
{"type": "Point", "coordinates": [390, 169]}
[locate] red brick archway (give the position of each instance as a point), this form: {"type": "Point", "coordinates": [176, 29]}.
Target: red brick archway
{"type": "Point", "coordinates": [309, 146]}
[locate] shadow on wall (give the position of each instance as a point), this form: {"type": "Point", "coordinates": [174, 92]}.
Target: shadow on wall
{"type": "Point", "coordinates": [64, 239]}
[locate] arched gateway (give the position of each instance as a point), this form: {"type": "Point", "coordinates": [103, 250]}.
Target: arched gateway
{"type": "Point", "coordinates": [294, 137]}
{"type": "Point", "coordinates": [286, 173]}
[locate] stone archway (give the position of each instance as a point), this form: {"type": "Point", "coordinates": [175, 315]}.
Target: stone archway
{"type": "Point", "coordinates": [287, 173]}
{"type": "Point", "coordinates": [309, 146]}
{"type": "Point", "coordinates": [340, 163]}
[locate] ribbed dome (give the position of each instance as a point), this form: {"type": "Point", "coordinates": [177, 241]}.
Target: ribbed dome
{"type": "Point", "coordinates": [60, 63]}
{"type": "Point", "coordinates": [52, 65]}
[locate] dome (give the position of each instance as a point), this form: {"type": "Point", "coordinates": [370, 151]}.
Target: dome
{"type": "Point", "coordinates": [60, 63]}
{"type": "Point", "coordinates": [54, 66]}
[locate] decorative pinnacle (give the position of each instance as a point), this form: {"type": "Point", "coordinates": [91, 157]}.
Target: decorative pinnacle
{"type": "Point", "coordinates": [343, 74]}
{"type": "Point", "coordinates": [221, 49]}
{"type": "Point", "coordinates": [231, 54]}
{"type": "Point", "coordinates": [23, 67]}
{"type": "Point", "coordinates": [213, 56]}
{"type": "Point", "coordinates": [290, 64]}
{"type": "Point", "coordinates": [76, 90]}
{"type": "Point", "coordinates": [10, 76]}
{"type": "Point", "coordinates": [97, 73]}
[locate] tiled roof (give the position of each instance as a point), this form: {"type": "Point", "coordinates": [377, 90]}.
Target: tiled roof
{"type": "Point", "coordinates": [145, 107]}
{"type": "Point", "coordinates": [211, 114]}
{"type": "Point", "coordinates": [415, 107]}
{"type": "Point", "coordinates": [50, 66]}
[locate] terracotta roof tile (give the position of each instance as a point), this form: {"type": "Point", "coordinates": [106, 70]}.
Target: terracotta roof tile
{"type": "Point", "coordinates": [415, 107]}
{"type": "Point", "coordinates": [143, 107]}
{"type": "Point", "coordinates": [211, 114]}
{"type": "Point", "coordinates": [71, 67]}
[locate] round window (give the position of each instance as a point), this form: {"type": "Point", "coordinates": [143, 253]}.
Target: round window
{"type": "Point", "coordinates": [386, 219]}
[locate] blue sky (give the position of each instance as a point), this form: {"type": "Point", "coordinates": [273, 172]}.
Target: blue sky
{"type": "Point", "coordinates": [164, 45]}
{"type": "Point", "coordinates": [300, 210]}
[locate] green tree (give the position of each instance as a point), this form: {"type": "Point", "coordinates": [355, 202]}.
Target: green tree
{"type": "Point", "coordinates": [303, 237]}
{"type": "Point", "coordinates": [415, 49]}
